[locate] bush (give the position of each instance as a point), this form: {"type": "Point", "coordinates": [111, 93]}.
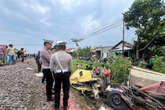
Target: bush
{"type": "Point", "coordinates": [85, 63]}
{"type": "Point", "coordinates": [119, 66]}
{"type": "Point", "coordinates": [158, 64]}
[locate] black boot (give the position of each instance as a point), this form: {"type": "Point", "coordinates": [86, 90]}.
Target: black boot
{"type": "Point", "coordinates": [43, 80]}
{"type": "Point", "coordinates": [50, 99]}
{"type": "Point", "coordinates": [57, 108]}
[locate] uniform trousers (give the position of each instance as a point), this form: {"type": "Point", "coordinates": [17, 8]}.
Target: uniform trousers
{"type": "Point", "coordinates": [62, 80]}
{"type": "Point", "coordinates": [49, 82]}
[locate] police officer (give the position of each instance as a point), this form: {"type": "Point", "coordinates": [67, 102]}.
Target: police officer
{"type": "Point", "coordinates": [61, 65]}
{"type": "Point", "coordinates": [45, 60]}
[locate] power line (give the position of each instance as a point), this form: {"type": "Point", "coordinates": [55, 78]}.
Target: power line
{"type": "Point", "coordinates": [106, 29]}
{"type": "Point", "coordinates": [103, 28]}
{"type": "Point", "coordinates": [101, 31]}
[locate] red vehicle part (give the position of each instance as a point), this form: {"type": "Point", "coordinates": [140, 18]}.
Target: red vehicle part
{"type": "Point", "coordinates": [155, 89]}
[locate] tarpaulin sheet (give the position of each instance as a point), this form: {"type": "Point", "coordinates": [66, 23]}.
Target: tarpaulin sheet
{"type": "Point", "coordinates": [155, 89]}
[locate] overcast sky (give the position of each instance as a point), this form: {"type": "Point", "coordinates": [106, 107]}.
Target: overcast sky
{"type": "Point", "coordinates": [26, 22]}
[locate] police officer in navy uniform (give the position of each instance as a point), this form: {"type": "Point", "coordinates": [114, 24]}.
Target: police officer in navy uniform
{"type": "Point", "coordinates": [61, 65]}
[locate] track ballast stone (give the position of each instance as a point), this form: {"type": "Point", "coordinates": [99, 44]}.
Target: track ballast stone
{"type": "Point", "coordinates": [20, 89]}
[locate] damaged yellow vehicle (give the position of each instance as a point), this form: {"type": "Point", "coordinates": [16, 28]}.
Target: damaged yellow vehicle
{"type": "Point", "coordinates": [87, 83]}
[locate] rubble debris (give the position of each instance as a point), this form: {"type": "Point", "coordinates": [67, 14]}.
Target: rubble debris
{"type": "Point", "coordinates": [134, 97]}
{"type": "Point", "coordinates": [28, 68]}
{"type": "Point", "coordinates": [120, 97]}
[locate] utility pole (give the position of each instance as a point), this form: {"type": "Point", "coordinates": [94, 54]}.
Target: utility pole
{"type": "Point", "coordinates": [137, 48]}
{"type": "Point", "coordinates": [123, 35]}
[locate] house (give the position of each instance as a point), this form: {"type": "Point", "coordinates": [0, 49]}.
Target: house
{"type": "Point", "coordinates": [101, 52]}
{"type": "Point", "coordinates": [118, 48]}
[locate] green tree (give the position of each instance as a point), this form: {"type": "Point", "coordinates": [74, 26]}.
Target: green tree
{"type": "Point", "coordinates": [75, 54]}
{"type": "Point", "coordinates": [159, 64]}
{"type": "Point", "coordinates": [82, 52]}
{"type": "Point", "coordinates": [148, 18]}
{"type": "Point", "coordinates": [160, 51]}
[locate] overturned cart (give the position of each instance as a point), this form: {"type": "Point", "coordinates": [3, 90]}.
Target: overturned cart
{"type": "Point", "coordinates": [120, 97]}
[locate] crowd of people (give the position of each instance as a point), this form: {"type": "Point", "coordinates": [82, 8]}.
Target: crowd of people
{"type": "Point", "coordinates": [56, 66]}
{"type": "Point", "coordinates": [103, 72]}
{"type": "Point", "coordinates": [10, 55]}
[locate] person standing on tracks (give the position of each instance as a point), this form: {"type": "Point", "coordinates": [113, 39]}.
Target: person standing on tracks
{"type": "Point", "coordinates": [2, 55]}
{"type": "Point", "coordinates": [22, 54]}
{"type": "Point", "coordinates": [11, 54]}
{"type": "Point", "coordinates": [61, 65]}
{"type": "Point", "coordinates": [37, 58]}
{"type": "Point", "coordinates": [45, 60]}
{"type": "Point", "coordinates": [52, 51]}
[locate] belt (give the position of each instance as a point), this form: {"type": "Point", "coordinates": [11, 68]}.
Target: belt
{"type": "Point", "coordinates": [61, 71]}
{"type": "Point", "coordinates": [45, 67]}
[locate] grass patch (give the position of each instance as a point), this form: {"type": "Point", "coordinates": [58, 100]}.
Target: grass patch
{"type": "Point", "coordinates": [83, 102]}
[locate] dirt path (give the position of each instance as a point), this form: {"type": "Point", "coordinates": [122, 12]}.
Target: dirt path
{"type": "Point", "coordinates": [21, 89]}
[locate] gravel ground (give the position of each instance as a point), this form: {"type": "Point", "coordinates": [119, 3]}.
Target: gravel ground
{"type": "Point", "coordinates": [20, 89]}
